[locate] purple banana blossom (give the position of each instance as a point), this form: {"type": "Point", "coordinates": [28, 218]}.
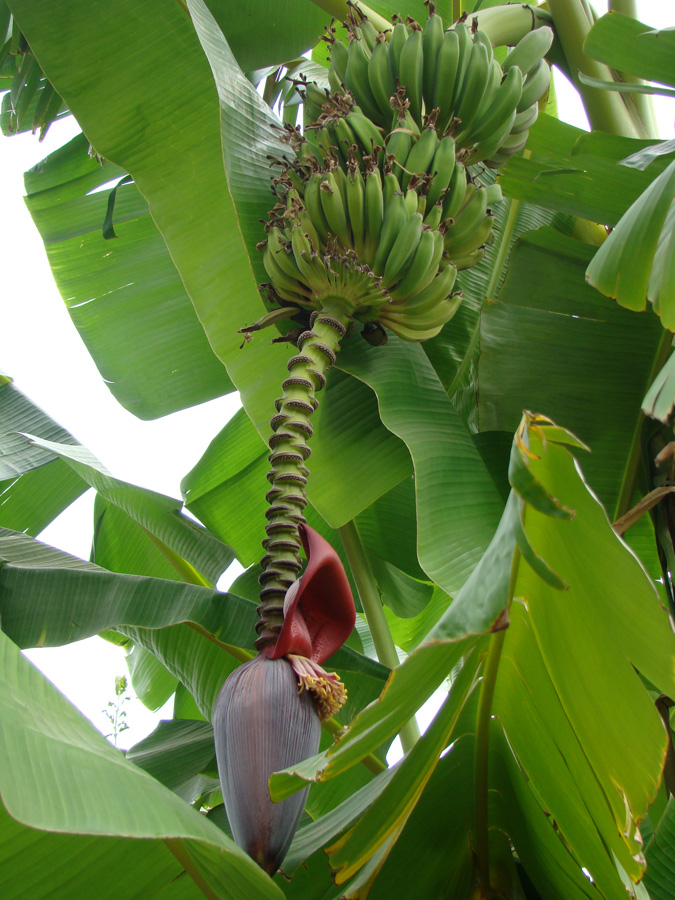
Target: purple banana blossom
{"type": "Point", "coordinates": [268, 714]}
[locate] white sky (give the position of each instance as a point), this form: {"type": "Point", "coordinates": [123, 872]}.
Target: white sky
{"type": "Point", "coordinates": [41, 350]}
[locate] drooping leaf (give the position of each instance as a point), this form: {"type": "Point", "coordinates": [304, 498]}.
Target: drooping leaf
{"type": "Point", "coordinates": [49, 598]}
{"type": "Point", "coordinates": [176, 753]}
{"type": "Point", "coordinates": [160, 516]}
{"type": "Point", "coordinates": [125, 297]}
{"type": "Point", "coordinates": [637, 261]}
{"type": "Point", "coordinates": [64, 794]}
{"type": "Point", "coordinates": [35, 486]}
{"type": "Point", "coordinates": [153, 684]}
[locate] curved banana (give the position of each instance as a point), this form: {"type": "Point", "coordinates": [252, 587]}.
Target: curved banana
{"type": "Point", "coordinates": [529, 50]}
{"type": "Point", "coordinates": [536, 85]}
{"type": "Point", "coordinates": [356, 195]}
{"type": "Point", "coordinates": [374, 212]}
{"type": "Point", "coordinates": [423, 266]}
{"type": "Point", "coordinates": [421, 155]}
{"type": "Point", "coordinates": [456, 193]}
{"type": "Point", "coordinates": [397, 41]}
{"type": "Point", "coordinates": [431, 45]}
{"type": "Point", "coordinates": [338, 59]}
{"type": "Point", "coordinates": [411, 72]}
{"type": "Point", "coordinates": [403, 250]}
{"type": "Point", "coordinates": [334, 209]}
{"type": "Point", "coordinates": [447, 68]}
{"type": "Point", "coordinates": [442, 168]}
{"type": "Point", "coordinates": [395, 218]}
{"type": "Point", "coordinates": [356, 79]}
{"type": "Point", "coordinates": [382, 85]}
{"type": "Point", "coordinates": [473, 86]}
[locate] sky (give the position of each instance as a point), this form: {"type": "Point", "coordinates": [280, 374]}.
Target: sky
{"type": "Point", "coordinates": [42, 351]}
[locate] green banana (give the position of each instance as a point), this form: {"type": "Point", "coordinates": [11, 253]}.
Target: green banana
{"type": "Point", "coordinates": [468, 219]}
{"type": "Point", "coordinates": [473, 86]}
{"type": "Point", "coordinates": [276, 245]}
{"type": "Point", "coordinates": [280, 279]}
{"type": "Point", "coordinates": [356, 208]}
{"type": "Point", "coordinates": [390, 186]}
{"type": "Point", "coordinates": [374, 211]}
{"type": "Point", "coordinates": [447, 66]}
{"type": "Point", "coordinates": [343, 138]}
{"type": "Point", "coordinates": [338, 59]}
{"type": "Point", "coordinates": [477, 238]}
{"type": "Point", "coordinates": [427, 298]}
{"type": "Point", "coordinates": [493, 194]}
{"type": "Point", "coordinates": [525, 120]}
{"type": "Point", "coordinates": [465, 48]}
{"type": "Point", "coordinates": [483, 150]}
{"type": "Point", "coordinates": [514, 143]}
{"type": "Point", "coordinates": [536, 85]}
{"type": "Point", "coordinates": [492, 119]}
{"type": "Point", "coordinates": [399, 37]}
{"type": "Point", "coordinates": [442, 168]}
{"type": "Point", "coordinates": [434, 216]}
{"type": "Point", "coordinates": [314, 207]}
{"type": "Point", "coordinates": [403, 250]}
{"type": "Point", "coordinates": [356, 79]}
{"type": "Point", "coordinates": [399, 144]}
{"type": "Point", "coordinates": [334, 209]}
{"type": "Point", "coordinates": [382, 85]}
{"type": "Point", "coordinates": [412, 199]}
{"type": "Point", "coordinates": [314, 276]}
{"type": "Point", "coordinates": [465, 262]}
{"type": "Point", "coordinates": [411, 73]}
{"type": "Point", "coordinates": [368, 33]}
{"type": "Point", "coordinates": [423, 266]}
{"type": "Point", "coordinates": [395, 218]}
{"type": "Point", "coordinates": [368, 134]}
{"type": "Point", "coordinates": [431, 45]}
{"type": "Point", "coordinates": [529, 50]}
{"type": "Point", "coordinates": [456, 192]}
{"type": "Point", "coordinates": [421, 155]}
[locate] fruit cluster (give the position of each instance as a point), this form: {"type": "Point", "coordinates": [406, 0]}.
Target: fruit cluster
{"type": "Point", "coordinates": [488, 106]}
{"type": "Point", "coordinates": [376, 209]}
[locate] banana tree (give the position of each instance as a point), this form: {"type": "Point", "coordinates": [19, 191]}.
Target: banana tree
{"type": "Point", "coordinates": [427, 246]}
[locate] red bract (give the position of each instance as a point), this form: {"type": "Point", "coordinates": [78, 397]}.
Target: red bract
{"type": "Point", "coordinates": [319, 611]}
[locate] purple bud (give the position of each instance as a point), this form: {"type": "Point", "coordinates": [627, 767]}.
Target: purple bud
{"type": "Point", "coordinates": [263, 722]}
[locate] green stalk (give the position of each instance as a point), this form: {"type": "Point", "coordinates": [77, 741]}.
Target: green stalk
{"type": "Point", "coordinates": [482, 747]}
{"type": "Point", "coordinates": [642, 103]}
{"type": "Point", "coordinates": [630, 474]}
{"type": "Point", "coordinates": [339, 10]}
{"type": "Point", "coordinates": [374, 612]}
{"type": "Point", "coordinates": [489, 293]}
{"type": "Point", "coordinates": [456, 10]}
{"type": "Point", "coordinates": [606, 110]}
{"type": "Point", "coordinates": [291, 429]}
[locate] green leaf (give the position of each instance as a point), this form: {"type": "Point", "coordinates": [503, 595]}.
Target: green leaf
{"type": "Point", "coordinates": [571, 346]}
{"type": "Point", "coordinates": [575, 172]}
{"type": "Point", "coordinates": [660, 398]}
{"type": "Point", "coordinates": [660, 877]}
{"type": "Point", "coordinates": [152, 683]}
{"type": "Point", "coordinates": [623, 88]}
{"type": "Point", "coordinates": [449, 471]}
{"type": "Point", "coordinates": [629, 46]}
{"type": "Point", "coordinates": [49, 598]}
{"type": "Point", "coordinates": [64, 793]}
{"type": "Point", "coordinates": [635, 264]}
{"type": "Point", "coordinates": [157, 514]}
{"type": "Point", "coordinates": [125, 297]}
{"type": "Point", "coordinates": [35, 486]}
{"type": "Point", "coordinates": [115, 82]}
{"type": "Point", "coordinates": [175, 754]}
{"type": "Point", "coordinates": [387, 816]}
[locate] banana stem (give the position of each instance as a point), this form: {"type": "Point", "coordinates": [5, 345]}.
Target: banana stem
{"type": "Point", "coordinates": [291, 429]}
{"type": "Point", "coordinates": [482, 748]}
{"type": "Point", "coordinates": [606, 110]}
{"type": "Point", "coordinates": [374, 613]}
{"type": "Point", "coordinates": [339, 10]}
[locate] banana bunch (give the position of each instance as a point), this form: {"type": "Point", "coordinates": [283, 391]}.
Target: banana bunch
{"type": "Point", "coordinates": [488, 107]}
{"type": "Point", "coordinates": [379, 224]}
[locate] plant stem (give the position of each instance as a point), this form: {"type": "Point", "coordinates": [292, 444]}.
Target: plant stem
{"type": "Point", "coordinates": [606, 110]}
{"type": "Point", "coordinates": [482, 747]}
{"type": "Point", "coordinates": [339, 10]}
{"type": "Point", "coordinates": [630, 474]}
{"type": "Point", "coordinates": [289, 451]}
{"type": "Point", "coordinates": [642, 103]}
{"type": "Point", "coordinates": [489, 293]}
{"type": "Point", "coordinates": [372, 607]}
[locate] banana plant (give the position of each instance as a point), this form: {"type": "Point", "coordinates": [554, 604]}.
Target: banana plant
{"type": "Point", "coordinates": [401, 242]}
